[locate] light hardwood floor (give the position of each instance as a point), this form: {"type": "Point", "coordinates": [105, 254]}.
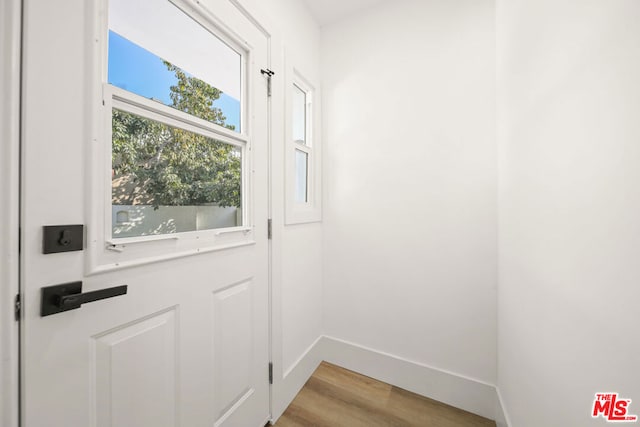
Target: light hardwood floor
{"type": "Point", "coordinates": [336, 397]}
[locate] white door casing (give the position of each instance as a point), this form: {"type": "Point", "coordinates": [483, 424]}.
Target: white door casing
{"type": "Point", "coordinates": [188, 344]}
{"type": "Point", "coordinates": [10, 25]}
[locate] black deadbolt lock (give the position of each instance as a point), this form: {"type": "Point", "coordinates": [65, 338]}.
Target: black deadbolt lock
{"type": "Point", "coordinates": [62, 238]}
{"type": "Point", "coordinates": [65, 237]}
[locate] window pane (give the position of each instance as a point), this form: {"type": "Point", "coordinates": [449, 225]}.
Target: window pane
{"type": "Point", "coordinates": [186, 67]}
{"type": "Point", "coordinates": [168, 180]}
{"type": "Point", "coordinates": [299, 115]}
{"type": "Point", "coordinates": [302, 160]}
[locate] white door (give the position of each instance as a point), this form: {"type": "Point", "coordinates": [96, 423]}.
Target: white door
{"type": "Point", "coordinates": [146, 122]}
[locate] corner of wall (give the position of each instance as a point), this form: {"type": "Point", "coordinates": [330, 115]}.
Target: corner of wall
{"type": "Point", "coordinates": [502, 416]}
{"type": "Point", "coordinates": [456, 390]}
{"type": "Point", "coordinates": [459, 391]}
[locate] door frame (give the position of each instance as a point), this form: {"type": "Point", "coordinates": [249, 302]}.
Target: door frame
{"type": "Point", "coordinates": [10, 70]}
{"type": "Point", "coordinates": [257, 12]}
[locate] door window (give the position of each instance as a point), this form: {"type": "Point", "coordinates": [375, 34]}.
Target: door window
{"type": "Point", "coordinates": [177, 146]}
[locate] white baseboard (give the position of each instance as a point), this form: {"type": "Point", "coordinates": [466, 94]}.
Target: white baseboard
{"type": "Point", "coordinates": [462, 392]}
{"type": "Point", "coordinates": [286, 388]}
{"type": "Point", "coordinates": [502, 417]}
{"type": "Point", "coordinates": [465, 393]}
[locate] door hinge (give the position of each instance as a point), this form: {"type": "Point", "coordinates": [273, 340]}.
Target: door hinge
{"type": "Point", "coordinates": [17, 306]}
{"type": "Point", "coordinates": [269, 74]}
{"type": "Point", "coordinates": [269, 229]}
{"type": "Point", "coordinates": [270, 373]}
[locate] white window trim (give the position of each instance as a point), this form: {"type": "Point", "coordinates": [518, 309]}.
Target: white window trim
{"type": "Point", "coordinates": [311, 211]}
{"type": "Point", "coordinates": [106, 253]}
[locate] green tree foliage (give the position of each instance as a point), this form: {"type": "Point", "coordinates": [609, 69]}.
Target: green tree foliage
{"type": "Point", "coordinates": [173, 167]}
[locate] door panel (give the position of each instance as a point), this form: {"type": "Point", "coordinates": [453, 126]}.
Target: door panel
{"type": "Point", "coordinates": [188, 344]}
{"type": "Point", "coordinates": [136, 373]}
{"type": "Point", "coordinates": [232, 343]}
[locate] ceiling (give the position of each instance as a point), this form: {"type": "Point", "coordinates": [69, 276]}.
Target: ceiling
{"type": "Point", "coordinates": [329, 11]}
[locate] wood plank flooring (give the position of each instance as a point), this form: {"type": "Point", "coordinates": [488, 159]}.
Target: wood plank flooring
{"type": "Point", "coordinates": [336, 397]}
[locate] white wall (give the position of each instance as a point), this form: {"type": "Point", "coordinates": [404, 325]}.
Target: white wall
{"type": "Point", "coordinates": [569, 207]}
{"type": "Point", "coordinates": [410, 167]}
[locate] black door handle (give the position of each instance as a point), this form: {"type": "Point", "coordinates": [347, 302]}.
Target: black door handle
{"type": "Point", "coordinates": [69, 296]}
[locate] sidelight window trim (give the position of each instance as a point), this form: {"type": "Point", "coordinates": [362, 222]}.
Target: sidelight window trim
{"type": "Point", "coordinates": [297, 212]}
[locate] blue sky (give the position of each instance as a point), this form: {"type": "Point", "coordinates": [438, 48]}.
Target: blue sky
{"type": "Point", "coordinates": [139, 71]}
